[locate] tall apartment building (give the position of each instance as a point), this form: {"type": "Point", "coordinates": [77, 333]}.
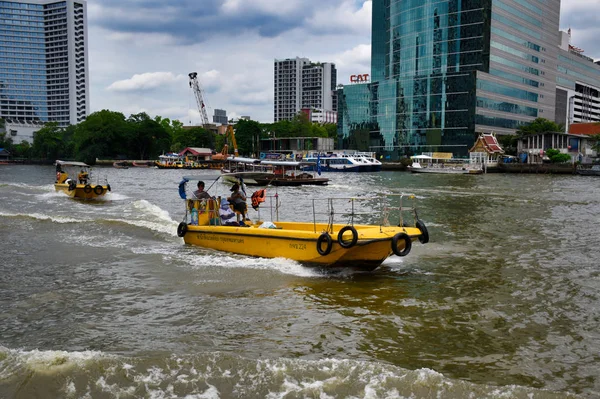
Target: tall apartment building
{"type": "Point", "coordinates": [301, 84]}
{"type": "Point", "coordinates": [441, 72]}
{"type": "Point", "coordinates": [43, 64]}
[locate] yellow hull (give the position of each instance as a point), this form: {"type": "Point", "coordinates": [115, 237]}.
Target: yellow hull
{"type": "Point", "coordinates": [83, 191]}
{"type": "Point", "coordinates": [298, 241]}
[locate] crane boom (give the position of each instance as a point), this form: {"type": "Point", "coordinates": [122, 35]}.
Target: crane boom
{"type": "Point", "coordinates": [231, 135]}
{"type": "Point", "coordinates": [195, 85]}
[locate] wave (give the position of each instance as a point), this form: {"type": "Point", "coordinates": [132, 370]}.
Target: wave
{"type": "Point", "coordinates": [220, 374]}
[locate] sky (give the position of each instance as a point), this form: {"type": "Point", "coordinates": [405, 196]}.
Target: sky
{"type": "Point", "coordinates": [141, 51]}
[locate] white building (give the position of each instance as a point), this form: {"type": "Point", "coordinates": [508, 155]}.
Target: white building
{"type": "Point", "coordinates": [299, 83]}
{"type": "Point", "coordinates": [44, 73]}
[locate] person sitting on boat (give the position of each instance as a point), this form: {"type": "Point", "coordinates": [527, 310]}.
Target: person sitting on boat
{"type": "Point", "coordinates": [200, 193]}
{"type": "Point", "coordinates": [238, 200]}
{"type": "Point", "coordinates": [61, 176]}
{"type": "Point", "coordinates": [82, 177]}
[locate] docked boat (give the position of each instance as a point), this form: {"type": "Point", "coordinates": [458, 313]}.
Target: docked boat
{"type": "Point", "coordinates": [444, 169]}
{"type": "Point", "coordinates": [143, 164]}
{"type": "Point", "coordinates": [169, 161]}
{"type": "Point", "coordinates": [588, 171]}
{"type": "Point", "coordinates": [290, 173]}
{"type": "Point", "coordinates": [120, 165]}
{"type": "Point", "coordinates": [334, 162]}
{"type": "Point", "coordinates": [323, 241]}
{"type": "Point", "coordinates": [250, 170]}
{"type": "Point", "coordinates": [75, 179]}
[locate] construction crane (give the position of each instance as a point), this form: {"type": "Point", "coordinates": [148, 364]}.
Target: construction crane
{"type": "Point", "coordinates": [195, 85]}
{"type": "Point", "coordinates": [230, 135]}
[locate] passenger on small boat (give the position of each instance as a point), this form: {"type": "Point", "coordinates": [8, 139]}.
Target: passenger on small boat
{"type": "Point", "coordinates": [200, 193]}
{"type": "Point", "coordinates": [82, 177]}
{"type": "Point", "coordinates": [238, 201]}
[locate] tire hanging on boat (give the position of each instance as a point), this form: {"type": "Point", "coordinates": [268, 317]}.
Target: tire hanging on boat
{"type": "Point", "coordinates": [87, 189]}
{"type": "Point", "coordinates": [325, 237]}
{"type": "Point", "coordinates": [182, 229]}
{"type": "Point", "coordinates": [98, 190]}
{"type": "Point", "coordinates": [352, 242]}
{"type": "Point", "coordinates": [424, 237]}
{"type": "Point", "coordinates": [407, 244]}
{"type": "Point", "coordinates": [72, 185]}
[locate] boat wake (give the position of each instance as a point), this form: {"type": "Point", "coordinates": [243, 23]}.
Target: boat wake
{"type": "Point", "coordinates": [222, 374]}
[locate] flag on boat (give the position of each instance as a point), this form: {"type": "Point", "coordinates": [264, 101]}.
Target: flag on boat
{"type": "Point", "coordinates": [319, 164]}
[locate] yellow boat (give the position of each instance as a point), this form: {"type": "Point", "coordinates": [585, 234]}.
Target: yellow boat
{"type": "Point", "coordinates": [81, 187]}
{"type": "Point", "coordinates": [326, 244]}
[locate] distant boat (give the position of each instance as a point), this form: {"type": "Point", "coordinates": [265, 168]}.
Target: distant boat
{"type": "Point", "coordinates": [145, 164]}
{"type": "Point", "coordinates": [444, 166]}
{"type": "Point", "coordinates": [333, 162]}
{"type": "Point", "coordinates": [289, 173]}
{"type": "Point", "coordinates": [586, 171]}
{"type": "Point", "coordinates": [120, 165]}
{"type": "Point", "coordinates": [248, 169]}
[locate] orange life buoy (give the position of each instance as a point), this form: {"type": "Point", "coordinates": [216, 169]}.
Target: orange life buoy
{"type": "Point", "coordinates": [258, 197]}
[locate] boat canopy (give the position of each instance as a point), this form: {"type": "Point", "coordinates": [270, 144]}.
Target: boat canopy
{"type": "Point", "coordinates": [243, 160]}
{"type": "Point", "coordinates": [287, 163]}
{"type": "Point", "coordinates": [72, 163]}
{"type": "Point", "coordinates": [421, 157]}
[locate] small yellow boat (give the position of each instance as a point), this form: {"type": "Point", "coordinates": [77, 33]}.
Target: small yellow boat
{"type": "Point", "coordinates": [326, 244]}
{"type": "Point", "coordinates": [81, 187]}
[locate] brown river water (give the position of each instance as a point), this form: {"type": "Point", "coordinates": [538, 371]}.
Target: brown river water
{"type": "Point", "coordinates": [103, 300]}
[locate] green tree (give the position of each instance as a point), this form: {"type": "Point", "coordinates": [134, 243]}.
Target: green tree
{"type": "Point", "coordinates": [22, 150]}
{"type": "Point", "coordinates": [194, 137]}
{"type": "Point", "coordinates": [248, 135]}
{"type": "Point", "coordinates": [103, 134]}
{"type": "Point", "coordinates": [540, 125]}
{"type": "Point", "coordinates": [147, 138]}
{"type": "Point", "coordinates": [331, 129]}
{"type": "Point", "coordinates": [508, 143]}
{"type": "Point", "coordinates": [48, 142]}
{"type": "Point", "coordinates": [557, 157]}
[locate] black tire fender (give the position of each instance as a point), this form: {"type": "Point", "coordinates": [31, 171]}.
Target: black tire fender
{"type": "Point", "coordinates": [87, 189]}
{"type": "Point", "coordinates": [407, 244]}
{"type": "Point", "coordinates": [352, 242]}
{"type": "Point", "coordinates": [98, 190]}
{"type": "Point", "coordinates": [108, 187]}
{"type": "Point", "coordinates": [72, 186]}
{"type": "Point", "coordinates": [424, 237]}
{"type": "Point", "coordinates": [182, 229]}
{"type": "Point", "coordinates": [325, 237]}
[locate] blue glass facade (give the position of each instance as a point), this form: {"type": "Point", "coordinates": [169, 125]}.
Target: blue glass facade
{"type": "Point", "coordinates": [442, 71]}
{"type": "Point", "coordinates": [424, 63]}
{"type": "Point", "coordinates": [23, 74]}
{"type": "Point", "coordinates": [43, 62]}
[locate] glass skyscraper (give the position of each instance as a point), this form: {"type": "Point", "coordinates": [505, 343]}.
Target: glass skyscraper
{"type": "Point", "coordinates": [443, 71]}
{"type": "Point", "coordinates": [43, 62]}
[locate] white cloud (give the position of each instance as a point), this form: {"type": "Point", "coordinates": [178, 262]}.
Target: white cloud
{"type": "Point", "coordinates": [144, 81]}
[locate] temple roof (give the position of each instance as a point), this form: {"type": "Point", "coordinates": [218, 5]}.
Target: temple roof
{"type": "Point", "coordinates": [488, 143]}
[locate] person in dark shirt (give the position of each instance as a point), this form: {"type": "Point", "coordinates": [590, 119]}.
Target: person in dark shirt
{"type": "Point", "coordinates": [200, 193]}
{"type": "Point", "coordinates": [238, 200]}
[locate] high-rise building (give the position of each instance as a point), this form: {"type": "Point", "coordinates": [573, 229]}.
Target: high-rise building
{"type": "Point", "coordinates": [301, 84]}
{"type": "Point", "coordinates": [443, 72]}
{"type": "Point", "coordinates": [220, 116]}
{"type": "Point", "coordinates": [43, 64]}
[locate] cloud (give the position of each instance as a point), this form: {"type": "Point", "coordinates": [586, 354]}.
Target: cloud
{"type": "Point", "coordinates": [145, 81]}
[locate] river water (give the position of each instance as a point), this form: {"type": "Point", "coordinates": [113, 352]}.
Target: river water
{"type": "Point", "coordinates": [103, 300]}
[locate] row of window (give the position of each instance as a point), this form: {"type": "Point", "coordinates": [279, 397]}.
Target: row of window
{"type": "Point", "coordinates": [515, 65]}
{"type": "Point", "coordinates": [513, 77]}
{"type": "Point", "coordinates": [12, 22]}
{"type": "Point", "coordinates": [498, 122]}
{"type": "Point", "coordinates": [498, 88]}
{"type": "Point", "coordinates": [504, 106]}
{"type": "Point", "coordinates": [517, 13]}
{"type": "Point", "coordinates": [23, 6]}
{"type": "Point", "coordinates": [515, 39]}
{"type": "Point", "coordinates": [515, 25]}
{"type": "Point", "coordinates": [23, 30]}
{"type": "Point", "coordinates": [514, 52]}
{"type": "Point", "coordinates": [38, 18]}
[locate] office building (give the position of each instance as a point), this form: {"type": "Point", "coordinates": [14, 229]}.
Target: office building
{"type": "Point", "coordinates": [301, 84]}
{"type": "Point", "coordinates": [443, 72]}
{"type": "Point", "coordinates": [220, 117]}
{"type": "Point", "coordinates": [43, 64]}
